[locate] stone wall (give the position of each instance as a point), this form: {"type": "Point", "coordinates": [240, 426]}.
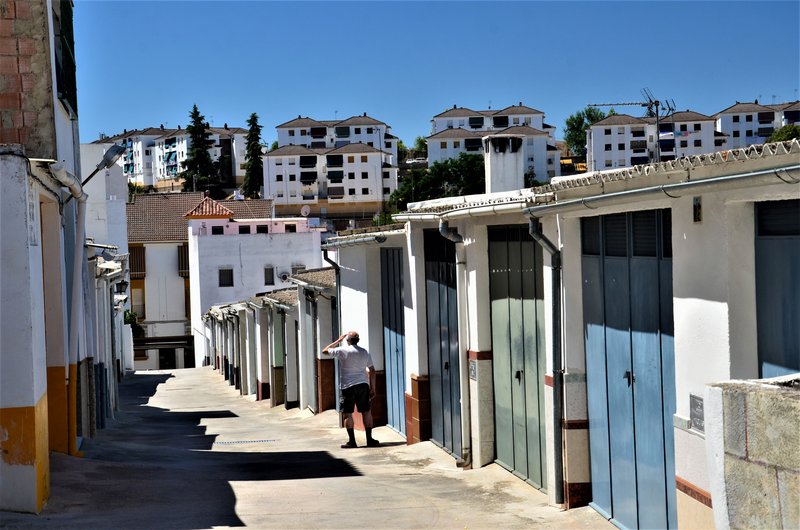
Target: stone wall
{"type": "Point", "coordinates": [754, 452]}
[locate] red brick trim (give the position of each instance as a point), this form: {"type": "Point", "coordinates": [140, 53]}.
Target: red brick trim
{"type": "Point", "coordinates": [548, 380]}
{"type": "Point", "coordinates": [700, 495]}
{"type": "Point", "coordinates": [576, 424]}
{"type": "Point", "coordinates": [479, 355]}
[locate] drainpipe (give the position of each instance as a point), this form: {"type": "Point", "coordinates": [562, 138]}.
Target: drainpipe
{"type": "Point", "coordinates": [338, 270]}
{"type": "Point", "coordinates": [463, 367]}
{"type": "Point", "coordinates": [76, 311]}
{"type": "Point", "coordinates": [535, 230]}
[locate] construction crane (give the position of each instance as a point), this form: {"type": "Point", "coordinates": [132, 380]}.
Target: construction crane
{"type": "Point", "coordinates": [655, 108]}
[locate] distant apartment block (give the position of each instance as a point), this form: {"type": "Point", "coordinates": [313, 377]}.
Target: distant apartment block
{"type": "Point", "coordinates": [337, 169]}
{"type": "Point", "coordinates": [751, 123]}
{"type": "Point", "coordinates": [621, 140]}
{"type": "Point", "coordinates": [155, 155]}
{"type": "Point", "coordinates": [462, 130]}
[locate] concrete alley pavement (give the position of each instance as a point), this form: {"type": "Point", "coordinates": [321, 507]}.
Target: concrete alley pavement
{"type": "Point", "coordinates": [187, 451]}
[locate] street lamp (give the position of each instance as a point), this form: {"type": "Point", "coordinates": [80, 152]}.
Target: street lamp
{"type": "Point", "coordinates": [110, 157]}
{"type": "Point", "coordinates": [121, 287]}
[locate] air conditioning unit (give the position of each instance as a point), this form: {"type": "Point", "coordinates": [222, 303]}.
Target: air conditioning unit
{"type": "Point", "coordinates": [284, 276]}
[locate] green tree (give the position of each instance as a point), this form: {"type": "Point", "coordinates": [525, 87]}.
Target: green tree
{"type": "Point", "coordinates": [575, 129]}
{"type": "Point", "coordinates": [402, 151]}
{"type": "Point", "coordinates": [199, 171]}
{"type": "Point", "coordinates": [450, 178]}
{"type": "Point", "coordinates": [254, 164]}
{"type": "Point", "coordinates": [787, 132]}
{"type": "Point", "coordinates": [420, 147]}
{"type": "Point", "coordinates": [274, 145]}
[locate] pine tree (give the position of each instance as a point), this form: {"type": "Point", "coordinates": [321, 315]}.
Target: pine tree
{"type": "Point", "coordinates": [199, 173]}
{"type": "Point", "coordinates": [254, 164]}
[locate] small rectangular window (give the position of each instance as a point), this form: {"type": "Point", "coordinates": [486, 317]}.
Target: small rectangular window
{"type": "Point", "coordinates": [364, 175]}
{"type": "Point", "coordinates": [443, 145]}
{"type": "Point", "coordinates": [749, 117]}
{"type": "Point", "coordinates": [456, 144]}
{"type": "Point", "coordinates": [607, 132]}
{"type": "Point", "coordinates": [226, 277]}
{"type": "Point", "coordinates": [364, 191]}
{"type": "Point", "coordinates": [608, 147]}
{"type": "Point", "coordinates": [620, 130]}
{"type": "Point", "coordinates": [698, 143]}
{"type": "Point", "coordinates": [387, 191]}
{"type": "Point", "coordinates": [736, 119]}
{"type": "Point", "coordinates": [217, 230]}
{"type": "Point", "coordinates": [269, 275]}
{"type": "Point", "coordinates": [279, 162]}
{"type": "Point", "coordinates": [290, 228]}
{"type": "Point", "coordinates": [292, 178]}
{"type": "Point", "coordinates": [749, 133]}
{"type": "Point", "coordinates": [696, 126]}
{"type": "Point", "coordinates": [351, 191]}
{"type": "Point", "coordinates": [684, 127]}
{"type": "Point", "coordinates": [387, 175]}
{"type": "Point", "coordinates": [684, 143]}
{"type": "Point", "coordinates": [621, 147]}
{"type": "Point", "coordinates": [262, 229]}
{"type": "Point", "coordinates": [736, 134]}
{"type": "Point", "coordinates": [357, 130]}
{"type": "Point", "coordinates": [364, 158]}
{"type": "Point", "coordinates": [351, 159]}
{"type": "Point", "coordinates": [278, 178]}
{"type": "Point", "coordinates": [244, 229]}
{"type": "Point", "coordinates": [369, 130]}
{"type": "Point", "coordinates": [351, 175]}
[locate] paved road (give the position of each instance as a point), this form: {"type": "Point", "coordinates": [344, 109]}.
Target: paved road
{"type": "Point", "coordinates": [187, 451]}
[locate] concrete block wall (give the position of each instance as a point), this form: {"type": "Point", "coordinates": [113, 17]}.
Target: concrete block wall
{"type": "Point", "coordinates": [754, 452]}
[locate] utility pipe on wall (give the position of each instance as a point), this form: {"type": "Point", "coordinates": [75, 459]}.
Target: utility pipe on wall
{"type": "Point", "coordinates": [535, 230]}
{"type": "Point", "coordinates": [76, 303]}
{"type": "Point", "coordinates": [463, 340]}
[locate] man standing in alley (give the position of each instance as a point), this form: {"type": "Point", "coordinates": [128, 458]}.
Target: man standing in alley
{"type": "Point", "coordinates": [357, 384]}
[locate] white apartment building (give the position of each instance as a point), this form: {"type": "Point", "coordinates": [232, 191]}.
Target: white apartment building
{"type": "Point", "coordinates": [621, 140]}
{"type": "Point", "coordinates": [328, 134]}
{"type": "Point", "coordinates": [462, 130]}
{"type": "Point", "coordinates": [751, 123]}
{"type": "Point", "coordinates": [137, 162]}
{"type": "Point", "coordinates": [172, 149]}
{"type": "Point", "coordinates": [234, 255]}
{"type": "Point", "coordinates": [353, 179]}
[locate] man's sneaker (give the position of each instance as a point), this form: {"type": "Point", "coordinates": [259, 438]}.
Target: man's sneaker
{"type": "Point", "coordinates": [373, 443]}
{"type": "Point", "coordinates": [349, 445]}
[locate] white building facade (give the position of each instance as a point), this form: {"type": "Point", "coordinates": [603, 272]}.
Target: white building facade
{"type": "Point", "coordinates": [461, 130]}
{"type": "Point", "coordinates": [750, 123]}
{"type": "Point", "coordinates": [235, 257]}
{"type": "Point", "coordinates": [352, 178]}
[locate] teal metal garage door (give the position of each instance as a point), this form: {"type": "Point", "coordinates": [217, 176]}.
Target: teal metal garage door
{"type": "Point", "coordinates": [518, 351]}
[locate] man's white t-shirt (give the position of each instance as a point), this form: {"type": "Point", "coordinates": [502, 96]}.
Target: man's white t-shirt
{"type": "Point", "coordinates": [353, 363]}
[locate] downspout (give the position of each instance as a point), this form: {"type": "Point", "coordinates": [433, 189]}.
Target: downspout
{"type": "Point", "coordinates": [76, 310]}
{"type": "Point", "coordinates": [338, 270]}
{"type": "Point", "coordinates": [535, 230]}
{"type": "Point", "coordinates": [463, 367]}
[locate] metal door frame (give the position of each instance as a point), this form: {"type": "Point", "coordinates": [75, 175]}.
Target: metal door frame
{"type": "Point", "coordinates": [394, 354]}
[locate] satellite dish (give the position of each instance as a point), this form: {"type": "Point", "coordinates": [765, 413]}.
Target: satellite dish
{"type": "Point", "coordinates": [305, 210]}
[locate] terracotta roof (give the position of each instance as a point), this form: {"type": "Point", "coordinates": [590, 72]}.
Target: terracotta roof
{"type": "Point", "coordinates": [517, 109]}
{"type": "Point", "coordinates": [687, 115]}
{"type": "Point", "coordinates": [745, 107]}
{"type": "Point", "coordinates": [209, 209]}
{"type": "Point", "coordinates": [289, 150]}
{"type": "Point", "coordinates": [249, 209]}
{"type": "Point", "coordinates": [301, 122]}
{"type": "Point", "coordinates": [524, 130]}
{"type": "Point", "coordinates": [286, 296]}
{"type": "Point", "coordinates": [159, 217]}
{"type": "Point", "coordinates": [458, 112]}
{"type": "Point", "coordinates": [354, 148]}
{"type": "Point", "coordinates": [618, 119]}
{"type": "Point", "coordinates": [791, 106]}
{"type": "Point", "coordinates": [324, 277]}
{"type": "Point", "coordinates": [359, 120]}
{"type": "Point", "coordinates": [458, 132]}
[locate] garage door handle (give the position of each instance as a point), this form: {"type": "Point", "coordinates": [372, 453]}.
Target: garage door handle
{"type": "Point", "coordinates": [518, 375]}
{"type": "Point", "coordinates": [630, 377]}
{"type": "Point", "coordinates": [446, 365]}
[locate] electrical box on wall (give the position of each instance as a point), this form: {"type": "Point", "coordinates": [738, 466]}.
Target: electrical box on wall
{"type": "Point", "coordinates": [697, 209]}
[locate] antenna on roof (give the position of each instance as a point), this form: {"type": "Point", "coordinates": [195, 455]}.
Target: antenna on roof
{"type": "Point", "coordinates": [655, 109]}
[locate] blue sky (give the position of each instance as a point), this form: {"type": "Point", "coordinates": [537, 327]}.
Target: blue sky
{"type": "Point", "coordinates": [141, 64]}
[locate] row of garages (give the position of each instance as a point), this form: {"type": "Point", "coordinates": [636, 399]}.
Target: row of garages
{"type": "Point", "coordinates": [567, 333]}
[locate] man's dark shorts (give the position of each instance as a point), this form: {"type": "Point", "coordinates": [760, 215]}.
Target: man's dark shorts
{"type": "Point", "coordinates": [356, 395]}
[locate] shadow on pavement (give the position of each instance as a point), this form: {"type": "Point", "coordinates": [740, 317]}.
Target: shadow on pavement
{"type": "Point", "coordinates": [154, 468]}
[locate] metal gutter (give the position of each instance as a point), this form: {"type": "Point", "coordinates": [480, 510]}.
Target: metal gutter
{"type": "Point", "coordinates": [791, 176]}
{"type": "Point", "coordinates": [363, 240]}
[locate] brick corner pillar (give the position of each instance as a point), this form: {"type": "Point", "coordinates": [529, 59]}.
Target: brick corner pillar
{"type": "Point", "coordinates": [24, 448]}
